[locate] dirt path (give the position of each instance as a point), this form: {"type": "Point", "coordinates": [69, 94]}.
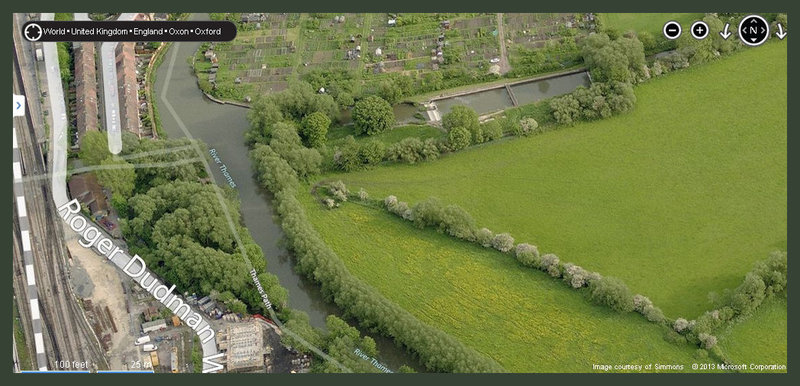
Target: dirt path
{"type": "Point", "coordinates": [501, 37]}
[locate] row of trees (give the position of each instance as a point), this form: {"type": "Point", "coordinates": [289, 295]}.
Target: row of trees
{"type": "Point", "coordinates": [457, 222]}
{"type": "Point", "coordinates": [768, 278]}
{"type": "Point", "coordinates": [437, 350]}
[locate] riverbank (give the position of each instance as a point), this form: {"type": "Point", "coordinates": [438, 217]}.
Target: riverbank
{"type": "Point", "coordinates": [222, 127]}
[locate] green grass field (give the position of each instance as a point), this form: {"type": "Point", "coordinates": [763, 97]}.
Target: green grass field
{"type": "Point", "coordinates": [522, 318]}
{"type": "Point", "coordinates": [678, 198]}
{"type": "Point", "coordinates": [759, 338]}
{"type": "Point", "coordinates": [650, 22]}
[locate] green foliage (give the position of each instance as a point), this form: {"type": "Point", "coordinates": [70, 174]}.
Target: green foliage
{"type": "Point", "coordinates": [458, 138]}
{"type": "Point", "coordinates": [611, 292]}
{"type": "Point", "coordinates": [372, 115]}
{"type": "Point", "coordinates": [461, 116]}
{"type": "Point", "coordinates": [285, 141]}
{"type": "Point", "coordinates": [526, 127]}
{"type": "Point", "coordinates": [198, 256]}
{"type": "Point", "coordinates": [315, 129]}
{"type": "Point", "coordinates": [272, 170]}
{"type": "Point", "coordinates": [601, 100]}
{"type": "Point", "coordinates": [348, 155]}
{"type": "Point", "coordinates": [372, 152]}
{"type": "Point", "coordinates": [297, 321]}
{"type": "Point", "coordinates": [118, 175]}
{"type": "Point", "coordinates": [94, 147]}
{"type": "Point", "coordinates": [492, 130]}
{"type": "Point", "coordinates": [620, 60]}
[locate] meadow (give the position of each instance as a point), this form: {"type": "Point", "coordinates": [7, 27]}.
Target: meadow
{"type": "Point", "coordinates": [647, 22]}
{"type": "Point", "coordinates": [759, 338]}
{"type": "Point", "coordinates": [523, 319]}
{"type": "Point", "coordinates": [677, 198]}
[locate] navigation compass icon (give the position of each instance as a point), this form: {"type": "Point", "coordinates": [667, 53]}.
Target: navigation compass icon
{"type": "Point", "coordinates": [33, 32]}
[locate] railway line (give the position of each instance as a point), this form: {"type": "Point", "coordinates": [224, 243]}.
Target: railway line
{"type": "Point", "coordinates": [69, 340]}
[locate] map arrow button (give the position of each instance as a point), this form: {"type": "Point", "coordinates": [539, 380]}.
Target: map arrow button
{"type": "Point", "coordinates": [781, 33]}
{"type": "Point", "coordinates": [725, 33]}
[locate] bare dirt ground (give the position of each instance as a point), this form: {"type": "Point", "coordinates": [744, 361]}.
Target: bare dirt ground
{"type": "Point", "coordinates": [105, 282]}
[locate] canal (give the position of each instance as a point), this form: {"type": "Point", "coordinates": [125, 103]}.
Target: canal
{"type": "Point", "coordinates": [498, 98]}
{"type": "Point", "coordinates": [222, 128]}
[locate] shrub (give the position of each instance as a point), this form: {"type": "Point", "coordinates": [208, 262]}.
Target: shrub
{"type": "Point", "coordinates": [492, 130]}
{"type": "Point", "coordinates": [527, 126]}
{"type": "Point", "coordinates": [549, 261]}
{"type": "Point", "coordinates": [372, 115]}
{"type": "Point", "coordinates": [458, 223]}
{"type": "Point", "coordinates": [476, 133]}
{"type": "Point", "coordinates": [484, 237]}
{"type": "Point", "coordinates": [503, 242]}
{"type": "Point", "coordinates": [680, 325]}
{"type": "Point", "coordinates": [372, 152]}
{"type": "Point", "coordinates": [408, 150]}
{"type": "Point", "coordinates": [362, 195]}
{"type": "Point", "coordinates": [574, 275]}
{"type": "Point", "coordinates": [429, 213]}
{"type": "Point", "coordinates": [458, 138]}
{"type": "Point", "coordinates": [613, 293]}
{"type": "Point", "coordinates": [430, 150]}
{"type": "Point", "coordinates": [707, 340]}
{"type": "Point", "coordinates": [330, 203]}
{"type": "Point", "coordinates": [749, 295]}
{"type": "Point", "coordinates": [527, 254]}
{"type": "Point", "coordinates": [640, 302]}
{"type": "Point", "coordinates": [338, 190]}
{"type": "Point", "coordinates": [653, 314]}
{"type": "Point", "coordinates": [347, 157]}
{"type": "Point", "coordinates": [390, 202]}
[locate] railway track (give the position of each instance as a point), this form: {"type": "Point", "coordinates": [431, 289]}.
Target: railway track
{"type": "Point", "coordinates": [71, 343]}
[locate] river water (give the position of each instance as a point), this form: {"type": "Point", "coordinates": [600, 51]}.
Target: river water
{"type": "Point", "coordinates": [222, 128]}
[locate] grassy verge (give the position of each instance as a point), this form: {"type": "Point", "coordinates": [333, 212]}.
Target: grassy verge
{"type": "Point", "coordinates": [677, 198]}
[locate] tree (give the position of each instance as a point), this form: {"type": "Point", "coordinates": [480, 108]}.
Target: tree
{"type": "Point", "coordinates": [458, 138]}
{"type": "Point", "coordinates": [528, 255]}
{"type": "Point", "coordinates": [484, 237]}
{"type": "Point", "coordinates": [620, 59]}
{"type": "Point", "coordinates": [503, 242]}
{"type": "Point", "coordinates": [348, 156]}
{"type": "Point", "coordinates": [117, 175]}
{"type": "Point", "coordinates": [611, 292]}
{"type": "Point", "coordinates": [315, 129]}
{"type": "Point", "coordinates": [94, 147]}
{"type": "Point", "coordinates": [264, 113]}
{"type": "Point", "coordinates": [461, 116]}
{"type": "Point", "coordinates": [390, 91]}
{"type": "Point", "coordinates": [372, 115]}
{"type": "Point", "coordinates": [372, 152]}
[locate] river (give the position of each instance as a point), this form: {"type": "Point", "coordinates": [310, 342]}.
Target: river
{"type": "Point", "coordinates": [222, 127]}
